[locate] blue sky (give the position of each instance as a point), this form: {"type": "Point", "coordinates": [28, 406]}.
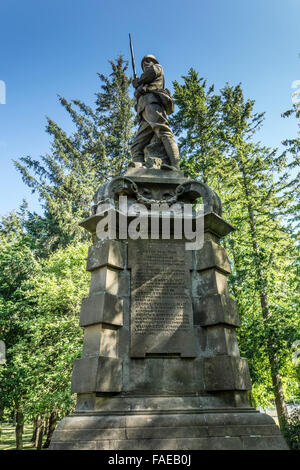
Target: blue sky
{"type": "Point", "coordinates": [58, 46]}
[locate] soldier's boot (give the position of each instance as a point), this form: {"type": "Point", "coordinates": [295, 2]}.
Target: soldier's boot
{"type": "Point", "coordinates": [137, 160]}
{"type": "Point", "coordinates": [172, 152]}
{"type": "Point", "coordinates": [133, 164]}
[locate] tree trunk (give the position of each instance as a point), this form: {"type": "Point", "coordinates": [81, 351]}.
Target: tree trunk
{"type": "Point", "coordinates": [46, 427]}
{"type": "Point", "coordinates": [51, 428]}
{"type": "Point", "coordinates": [34, 422]}
{"type": "Point", "coordinates": [39, 430]}
{"type": "Point", "coordinates": [19, 429]}
{"type": "Point", "coordinates": [281, 407]}
{"type": "Point", "coordinates": [1, 418]}
{"type": "Point", "coordinates": [14, 418]}
{"type": "Point", "coordinates": [40, 437]}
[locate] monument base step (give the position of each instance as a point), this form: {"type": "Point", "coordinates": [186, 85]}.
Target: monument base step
{"type": "Point", "coordinates": [214, 430]}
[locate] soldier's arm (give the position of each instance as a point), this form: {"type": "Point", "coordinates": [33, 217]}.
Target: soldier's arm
{"type": "Point", "coordinates": [150, 74]}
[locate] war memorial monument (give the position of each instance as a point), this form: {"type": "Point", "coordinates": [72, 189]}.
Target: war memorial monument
{"type": "Point", "coordinates": [160, 366]}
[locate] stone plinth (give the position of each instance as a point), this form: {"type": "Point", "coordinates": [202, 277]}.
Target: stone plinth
{"type": "Point", "coordinates": [160, 367]}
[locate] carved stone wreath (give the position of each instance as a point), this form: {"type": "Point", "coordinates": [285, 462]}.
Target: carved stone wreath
{"type": "Point", "coordinates": [191, 190]}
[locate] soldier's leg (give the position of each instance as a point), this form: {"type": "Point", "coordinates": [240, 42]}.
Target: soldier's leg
{"type": "Point", "coordinates": [155, 115]}
{"type": "Point", "coordinates": [141, 140]}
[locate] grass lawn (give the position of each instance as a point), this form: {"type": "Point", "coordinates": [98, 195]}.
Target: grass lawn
{"type": "Point", "coordinates": [8, 437]}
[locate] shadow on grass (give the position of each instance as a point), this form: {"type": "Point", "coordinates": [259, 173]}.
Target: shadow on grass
{"type": "Point", "coordinates": [8, 437]}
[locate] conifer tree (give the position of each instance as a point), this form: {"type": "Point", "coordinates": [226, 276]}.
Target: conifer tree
{"type": "Point", "coordinates": [196, 123]}
{"type": "Point", "coordinates": [259, 201]}
{"type": "Point", "coordinates": [67, 178]}
{"type": "Point", "coordinates": [291, 154]}
{"type": "Point", "coordinates": [242, 172]}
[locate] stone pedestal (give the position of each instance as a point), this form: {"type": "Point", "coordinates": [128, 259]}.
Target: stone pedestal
{"type": "Point", "coordinates": [160, 367]}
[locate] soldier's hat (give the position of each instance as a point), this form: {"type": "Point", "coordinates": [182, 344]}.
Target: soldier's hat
{"type": "Point", "coordinates": [149, 56]}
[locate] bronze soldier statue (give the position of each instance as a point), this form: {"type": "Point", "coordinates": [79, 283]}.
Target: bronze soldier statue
{"type": "Point", "coordinates": [154, 102]}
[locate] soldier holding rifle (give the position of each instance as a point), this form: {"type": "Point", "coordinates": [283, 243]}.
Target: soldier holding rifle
{"type": "Point", "coordinates": [154, 103]}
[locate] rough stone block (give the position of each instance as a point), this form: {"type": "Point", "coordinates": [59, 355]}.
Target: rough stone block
{"type": "Point", "coordinates": [212, 255]}
{"type": "Point", "coordinates": [73, 445]}
{"type": "Point", "coordinates": [215, 309]}
{"type": "Point", "coordinates": [264, 443]}
{"type": "Point", "coordinates": [209, 282]}
{"type": "Point", "coordinates": [166, 420]}
{"type": "Point", "coordinates": [243, 430]}
{"type": "Point", "coordinates": [161, 433]}
{"type": "Point", "coordinates": [105, 280]}
{"type": "Point", "coordinates": [100, 340]}
{"type": "Point", "coordinates": [180, 444]}
{"type": "Point", "coordinates": [97, 374]}
{"type": "Point", "coordinates": [222, 341]}
{"type": "Point", "coordinates": [229, 418]}
{"type": "Point", "coordinates": [91, 434]}
{"type": "Point", "coordinates": [166, 375]}
{"type": "Point", "coordinates": [92, 340]}
{"type": "Point", "coordinates": [85, 402]}
{"type": "Point", "coordinates": [81, 423]}
{"type": "Point", "coordinates": [237, 399]}
{"type": "Point", "coordinates": [101, 308]}
{"type": "Point", "coordinates": [124, 284]}
{"type": "Point", "coordinates": [106, 253]}
{"type": "Point", "coordinates": [226, 373]}
{"type": "Point", "coordinates": [109, 343]}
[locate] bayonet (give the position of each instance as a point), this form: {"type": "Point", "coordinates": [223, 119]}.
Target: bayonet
{"type": "Point", "coordinates": [132, 57]}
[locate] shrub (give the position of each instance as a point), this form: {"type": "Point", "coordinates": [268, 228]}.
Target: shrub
{"type": "Point", "coordinates": [291, 430]}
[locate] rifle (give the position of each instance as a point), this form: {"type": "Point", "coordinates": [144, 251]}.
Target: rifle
{"type": "Point", "coordinates": [132, 57]}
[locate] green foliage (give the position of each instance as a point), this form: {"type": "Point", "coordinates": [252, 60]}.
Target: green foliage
{"type": "Point", "coordinates": [55, 336]}
{"type": "Point", "coordinates": [17, 264]}
{"type": "Point", "coordinates": [40, 327]}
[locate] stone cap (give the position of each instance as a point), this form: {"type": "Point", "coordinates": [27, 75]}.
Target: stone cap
{"type": "Point", "coordinates": [156, 175]}
{"type": "Point", "coordinates": [213, 223]}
